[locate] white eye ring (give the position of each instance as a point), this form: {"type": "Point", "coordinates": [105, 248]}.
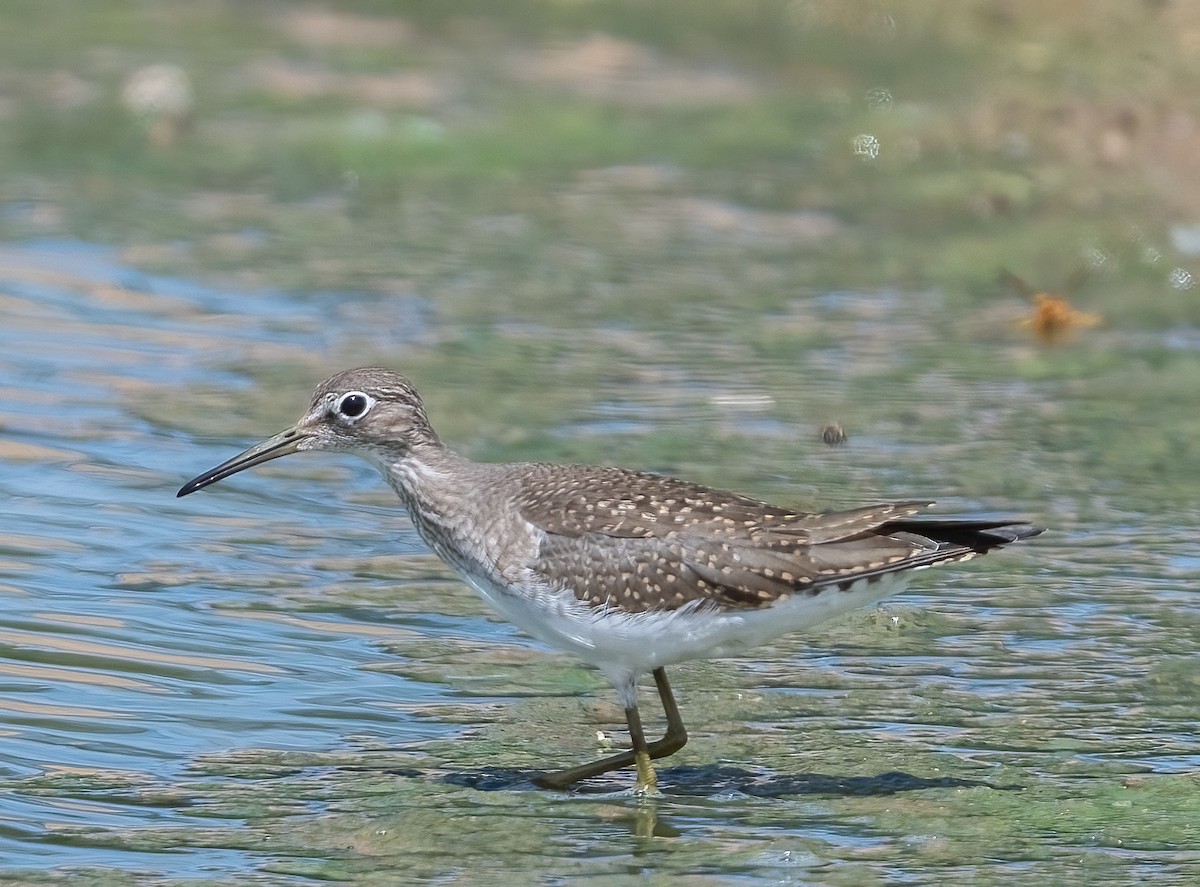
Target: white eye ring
{"type": "Point", "coordinates": [353, 405]}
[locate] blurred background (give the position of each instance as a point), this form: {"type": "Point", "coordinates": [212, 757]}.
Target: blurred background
{"type": "Point", "coordinates": [819, 252]}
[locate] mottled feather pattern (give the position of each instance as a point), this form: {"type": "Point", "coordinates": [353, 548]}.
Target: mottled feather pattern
{"type": "Point", "coordinates": [636, 541]}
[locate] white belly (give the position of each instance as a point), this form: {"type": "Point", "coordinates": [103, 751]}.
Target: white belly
{"type": "Point", "coordinates": [625, 645]}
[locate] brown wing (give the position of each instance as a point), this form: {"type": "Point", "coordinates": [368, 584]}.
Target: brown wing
{"type": "Point", "coordinates": [578, 500]}
{"type": "Point", "coordinates": [640, 541]}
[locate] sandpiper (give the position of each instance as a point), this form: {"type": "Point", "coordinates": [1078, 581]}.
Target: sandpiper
{"type": "Point", "coordinates": [630, 571]}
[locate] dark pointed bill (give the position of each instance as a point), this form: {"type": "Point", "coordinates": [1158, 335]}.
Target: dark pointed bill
{"type": "Point", "coordinates": [280, 445]}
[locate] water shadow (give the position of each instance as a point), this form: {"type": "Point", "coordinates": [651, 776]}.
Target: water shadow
{"type": "Point", "coordinates": [717, 779]}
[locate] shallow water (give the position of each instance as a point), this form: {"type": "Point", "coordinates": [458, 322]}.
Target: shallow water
{"type": "Point", "coordinates": [273, 680]}
{"type": "Point", "coordinates": [680, 237]}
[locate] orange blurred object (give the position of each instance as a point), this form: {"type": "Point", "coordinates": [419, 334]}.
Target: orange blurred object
{"type": "Point", "coordinates": [1053, 319]}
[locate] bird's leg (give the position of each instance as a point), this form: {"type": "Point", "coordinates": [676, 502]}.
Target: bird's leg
{"type": "Point", "coordinates": [676, 736]}
{"type": "Point", "coordinates": [642, 752]}
{"type": "Point", "coordinates": [647, 780]}
{"type": "Point", "coordinates": [639, 754]}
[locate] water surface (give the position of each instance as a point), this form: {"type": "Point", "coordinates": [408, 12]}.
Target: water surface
{"type": "Point", "coordinates": [275, 677]}
{"type": "Point", "coordinates": [646, 241]}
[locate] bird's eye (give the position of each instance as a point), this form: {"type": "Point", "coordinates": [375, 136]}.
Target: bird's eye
{"type": "Point", "coordinates": [354, 404]}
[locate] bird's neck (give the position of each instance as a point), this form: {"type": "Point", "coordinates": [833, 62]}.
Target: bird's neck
{"type": "Point", "coordinates": [427, 477]}
{"type": "Point", "coordinates": [444, 494]}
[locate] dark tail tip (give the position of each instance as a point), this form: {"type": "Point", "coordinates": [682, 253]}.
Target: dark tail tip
{"type": "Point", "coordinates": [978, 535]}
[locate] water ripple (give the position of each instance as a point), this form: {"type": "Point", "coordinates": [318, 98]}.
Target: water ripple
{"type": "Point", "coordinates": [277, 673]}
